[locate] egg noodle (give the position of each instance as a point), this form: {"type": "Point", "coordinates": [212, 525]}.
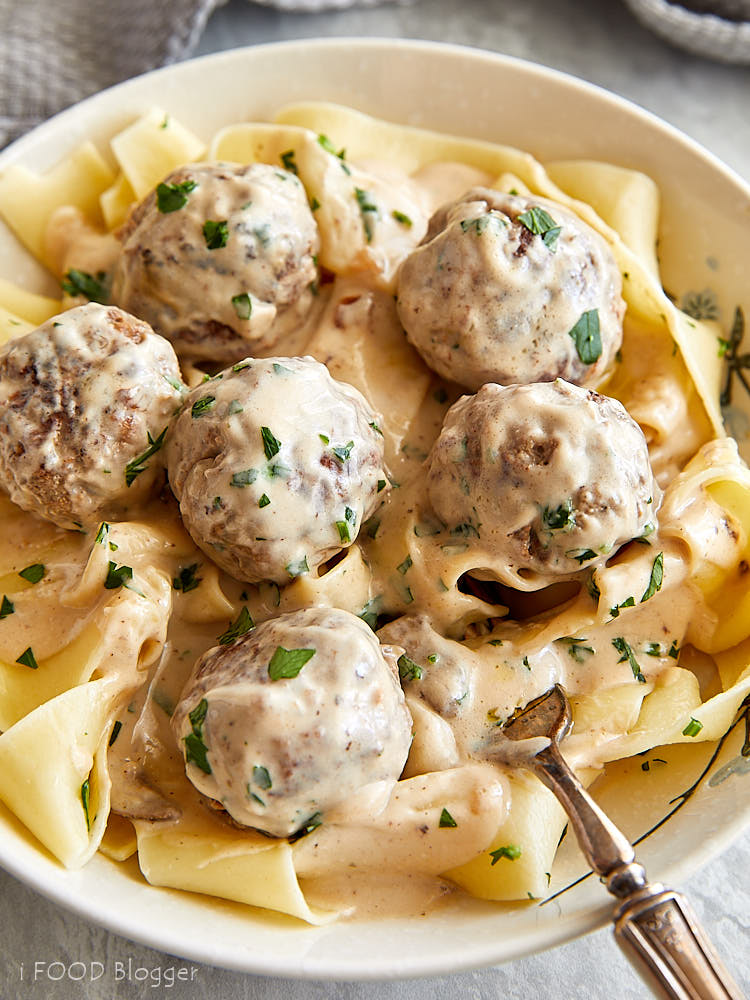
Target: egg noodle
{"type": "Point", "coordinates": [653, 646]}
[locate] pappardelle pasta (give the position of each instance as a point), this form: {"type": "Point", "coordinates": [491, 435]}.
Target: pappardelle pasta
{"type": "Point", "coordinates": [345, 441]}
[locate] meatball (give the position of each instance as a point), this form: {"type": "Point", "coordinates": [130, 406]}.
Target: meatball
{"type": "Point", "coordinates": [547, 478]}
{"type": "Point", "coordinates": [85, 400]}
{"type": "Point", "coordinates": [292, 719]}
{"type": "Point", "coordinates": [276, 465]}
{"type": "Point", "coordinates": [510, 289]}
{"type": "Point", "coordinates": [220, 259]}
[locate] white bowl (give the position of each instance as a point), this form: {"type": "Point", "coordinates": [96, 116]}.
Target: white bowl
{"type": "Point", "coordinates": [704, 243]}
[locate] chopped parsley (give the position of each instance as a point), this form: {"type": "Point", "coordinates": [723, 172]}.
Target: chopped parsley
{"type": "Point", "coordinates": [581, 555]}
{"type": "Point", "coordinates": [511, 851]}
{"type": "Point", "coordinates": [408, 670]}
{"type": "Point", "coordinates": [235, 406]}
{"type": "Point", "coordinates": [629, 602]}
{"type": "Point", "coordinates": [186, 579]}
{"type": "Point", "coordinates": [446, 820]}
{"type": "Point", "coordinates": [102, 534]}
{"type": "Point", "coordinates": [287, 663]}
{"type": "Point", "coordinates": [369, 613]}
{"type": "Point", "coordinates": [480, 224]}
{"type": "Point", "coordinates": [241, 366]}
{"type": "Point", "coordinates": [172, 197]}
{"type": "Point", "coordinates": [115, 732]}
{"type": "Point", "coordinates": [137, 465]}
{"type": "Point", "coordinates": [27, 659]}
{"type": "Point", "coordinates": [298, 568]}
{"type": "Point", "coordinates": [402, 218]}
{"type": "Point", "coordinates": [560, 518]}
{"type": "Point", "coordinates": [288, 161]}
{"type": "Point", "coordinates": [33, 573]}
{"type": "Point", "coordinates": [6, 608]}
{"type": "Point", "coordinates": [587, 338]}
{"type": "Point", "coordinates": [243, 306]}
{"type": "Point", "coordinates": [271, 445]}
{"type": "Point", "coordinates": [623, 647]}
{"type": "Point", "coordinates": [541, 223]}
{"type": "Point", "coordinates": [215, 233]}
{"type": "Point", "coordinates": [343, 451]}
{"type": "Point", "coordinates": [367, 209]}
{"type": "Point", "coordinates": [328, 146]}
{"type": "Point", "coordinates": [311, 824]}
{"type": "Point", "coordinates": [262, 778]}
{"type": "Point", "coordinates": [239, 627]}
{"type": "Point", "coordinates": [375, 427]}
{"type": "Point", "coordinates": [405, 566]}
{"type": "Point", "coordinates": [85, 800]}
{"type": "Point", "coordinates": [244, 478]}
{"type": "Point", "coordinates": [202, 406]}
{"type": "Point", "coordinates": [196, 751]}
{"type": "Point", "coordinates": [264, 500]}
{"type": "Point", "coordinates": [693, 727]}
{"type": "Point", "coordinates": [343, 526]}
{"type": "Point", "coordinates": [281, 369]}
{"type": "Point", "coordinates": [381, 485]}
{"type": "Point", "coordinates": [117, 576]}
{"type": "Point", "coordinates": [657, 578]}
{"type": "Point", "coordinates": [674, 650]}
{"type": "Point", "coordinates": [314, 204]}
{"type": "Point", "coordinates": [576, 649]}
{"type": "Point", "coordinates": [91, 286]}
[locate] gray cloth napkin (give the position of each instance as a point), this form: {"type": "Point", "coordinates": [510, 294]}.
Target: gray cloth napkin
{"type": "Point", "coordinates": [56, 52]}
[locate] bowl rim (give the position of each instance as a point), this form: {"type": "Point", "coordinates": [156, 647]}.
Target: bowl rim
{"type": "Point", "coordinates": [24, 864]}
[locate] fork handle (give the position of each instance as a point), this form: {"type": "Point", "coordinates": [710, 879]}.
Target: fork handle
{"type": "Point", "coordinates": [658, 931]}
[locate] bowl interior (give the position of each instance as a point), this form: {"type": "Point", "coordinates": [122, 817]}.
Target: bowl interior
{"type": "Point", "coordinates": [703, 242]}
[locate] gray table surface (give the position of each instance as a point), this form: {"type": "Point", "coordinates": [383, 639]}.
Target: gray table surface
{"type": "Point", "coordinates": [600, 42]}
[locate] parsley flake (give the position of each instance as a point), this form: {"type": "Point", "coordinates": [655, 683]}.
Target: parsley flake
{"type": "Point", "coordinates": [367, 209]}
{"type": "Point", "coordinates": [243, 306]}
{"type": "Point", "coordinates": [196, 751]}
{"type": "Point", "coordinates": [446, 820]}
{"type": "Point", "coordinates": [587, 338]}
{"type": "Point", "coordinates": [172, 197]}
{"type": "Point", "coordinates": [342, 452]}
{"type": "Point", "coordinates": [343, 529]}
{"type": "Point", "coordinates": [186, 579]}
{"type": "Point", "coordinates": [511, 851]}
{"type": "Point", "coordinates": [371, 610]}
{"type": "Point", "coordinates": [244, 478]}
{"type": "Point", "coordinates": [287, 663]}
{"type": "Point", "coordinates": [693, 727]}
{"type": "Point", "coordinates": [271, 445]}
{"type": "Point", "coordinates": [93, 287]}
{"type": "Point", "coordinates": [657, 578]}
{"type": "Point", "coordinates": [298, 567]}
{"type": "Point", "coordinates": [202, 406]}
{"type": "Point", "coordinates": [405, 566]}
{"type": "Point", "coordinates": [581, 555]}
{"type": "Point", "coordinates": [264, 500]}
{"type": "Point", "coordinates": [288, 162]}
{"type": "Point", "coordinates": [626, 653]}
{"type": "Point", "coordinates": [402, 218]}
{"type": "Point", "coordinates": [85, 799]}
{"type": "Point", "coordinates": [117, 576]}
{"type": "Point", "coordinates": [560, 518]}
{"type": "Point", "coordinates": [27, 659]}
{"type": "Point", "coordinates": [408, 670]}
{"type": "Point", "coordinates": [215, 233]}
{"type": "Point", "coordinates": [239, 627]}
{"type": "Point", "coordinates": [262, 778]}
{"type": "Point", "coordinates": [115, 732]}
{"type": "Point", "coordinates": [541, 223]}
{"type": "Point", "coordinates": [137, 465]}
{"type": "Point", "coordinates": [629, 602]}
{"type": "Point", "coordinates": [33, 573]}
{"type": "Point", "coordinates": [381, 485]}
{"type": "Point", "coordinates": [6, 608]}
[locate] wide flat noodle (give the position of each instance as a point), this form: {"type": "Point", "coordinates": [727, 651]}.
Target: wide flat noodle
{"type": "Point", "coordinates": [149, 149]}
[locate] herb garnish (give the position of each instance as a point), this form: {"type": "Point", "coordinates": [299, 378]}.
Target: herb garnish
{"type": "Point", "coordinates": [85, 798]}
{"type": "Point", "coordinates": [510, 851]}
{"type": "Point", "coordinates": [402, 218]}
{"type": "Point", "coordinates": [480, 224]}
{"type": "Point", "coordinates": [446, 820]}
{"type": "Point", "coordinates": [93, 287]}
{"type": "Point", "coordinates": [271, 445]}
{"type": "Point", "coordinates": [6, 608]}
{"type": "Point", "coordinates": [626, 653]}
{"type": "Point", "coordinates": [560, 518]}
{"type": "Point", "coordinates": [171, 197]}
{"type": "Point", "coordinates": [215, 233]}
{"type": "Point", "coordinates": [541, 223]}
{"type": "Point", "coordinates": [313, 823]}
{"type": "Point", "coordinates": [201, 406]}
{"type": "Point", "coordinates": [576, 649]}
{"type": "Point", "coordinates": [287, 663]}
{"type": "Point", "coordinates": [242, 625]}
{"type": "Point", "coordinates": [314, 204]}
{"type": "Point", "coordinates": [115, 732]}
{"type": "Point", "coordinates": [264, 500]}
{"type": "Point", "coordinates": [243, 306]}
{"type": "Point", "coordinates": [117, 576]}
{"type": "Point", "coordinates": [369, 613]}
{"type": "Point", "coordinates": [241, 366]}
{"type": "Point", "coordinates": [136, 466]}
{"type": "Point", "coordinates": [629, 602]}
{"type": "Point", "coordinates": [244, 478]}
{"type": "Point", "coordinates": [298, 567]}
{"type": "Point", "coordinates": [27, 659]}
{"type": "Point", "coordinates": [196, 751]}
{"type": "Point", "coordinates": [186, 579]}
{"type": "Point", "coordinates": [405, 566]}
{"type": "Point", "coordinates": [343, 451]}
{"type": "Point", "coordinates": [581, 555]}
{"type": "Point", "coordinates": [693, 727]}
{"type": "Point", "coordinates": [657, 577]}
{"type": "Point", "coordinates": [328, 146]}
{"type": "Point", "coordinates": [587, 338]}
{"type": "Point", "coordinates": [367, 209]}
{"type": "Point", "coordinates": [381, 485]}
{"type": "Point", "coordinates": [262, 778]}
{"type": "Point", "coordinates": [288, 162]}
{"type": "Point", "coordinates": [408, 670]}
{"type": "Point", "coordinates": [33, 573]}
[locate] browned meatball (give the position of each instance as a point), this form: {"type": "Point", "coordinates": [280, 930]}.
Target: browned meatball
{"type": "Point", "coordinates": [545, 478]}
{"type": "Point", "coordinates": [276, 465]}
{"type": "Point", "coordinates": [511, 289]}
{"type": "Point", "coordinates": [85, 400]}
{"type": "Point", "coordinates": [292, 719]}
{"type": "Point", "coordinates": [220, 259]}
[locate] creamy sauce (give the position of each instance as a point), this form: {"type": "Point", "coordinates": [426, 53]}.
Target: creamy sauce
{"type": "Point", "coordinates": [479, 649]}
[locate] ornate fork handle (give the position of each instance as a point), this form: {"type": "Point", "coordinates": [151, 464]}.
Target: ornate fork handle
{"type": "Point", "coordinates": [654, 926]}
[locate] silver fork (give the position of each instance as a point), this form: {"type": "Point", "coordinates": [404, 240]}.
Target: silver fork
{"type": "Point", "coordinates": [655, 927]}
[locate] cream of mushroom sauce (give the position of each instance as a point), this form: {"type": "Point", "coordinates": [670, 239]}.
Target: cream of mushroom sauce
{"type": "Point", "coordinates": [375, 854]}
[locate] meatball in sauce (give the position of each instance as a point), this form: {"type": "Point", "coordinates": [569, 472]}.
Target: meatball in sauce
{"type": "Point", "coordinates": [511, 289]}
{"type": "Point", "coordinates": [220, 259]}
{"type": "Point", "coordinates": [293, 719]}
{"type": "Point", "coordinates": [552, 477]}
{"type": "Point", "coordinates": [275, 465]}
{"type": "Point", "coordinates": [85, 400]}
